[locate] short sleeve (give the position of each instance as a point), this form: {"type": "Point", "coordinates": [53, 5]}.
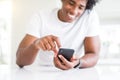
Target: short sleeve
{"type": "Point", "coordinates": [93, 24]}
{"type": "Point", "coordinates": [34, 25]}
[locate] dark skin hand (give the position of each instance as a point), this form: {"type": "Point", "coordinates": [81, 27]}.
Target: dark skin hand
{"type": "Point", "coordinates": [92, 46]}
{"type": "Point", "coordinates": [30, 45]}
{"type": "Point", "coordinates": [65, 64]}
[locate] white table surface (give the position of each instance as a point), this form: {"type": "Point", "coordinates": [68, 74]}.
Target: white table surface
{"type": "Point", "coordinates": [52, 73]}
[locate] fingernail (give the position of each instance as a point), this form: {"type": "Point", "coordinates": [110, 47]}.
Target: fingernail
{"type": "Point", "coordinates": [60, 56]}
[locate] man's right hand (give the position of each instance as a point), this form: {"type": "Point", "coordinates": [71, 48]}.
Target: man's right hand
{"type": "Point", "coordinates": [48, 43]}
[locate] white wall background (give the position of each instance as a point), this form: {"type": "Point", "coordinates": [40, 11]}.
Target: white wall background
{"type": "Point", "coordinates": [108, 10]}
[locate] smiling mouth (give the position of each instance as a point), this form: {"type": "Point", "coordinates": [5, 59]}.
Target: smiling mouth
{"type": "Point", "coordinates": [71, 16]}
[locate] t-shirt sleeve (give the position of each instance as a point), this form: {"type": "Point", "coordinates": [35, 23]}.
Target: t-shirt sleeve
{"type": "Point", "coordinates": [34, 25]}
{"type": "Point", "coordinates": [93, 25]}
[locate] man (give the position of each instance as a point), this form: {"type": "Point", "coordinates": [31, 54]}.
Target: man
{"type": "Point", "coordinates": [74, 26]}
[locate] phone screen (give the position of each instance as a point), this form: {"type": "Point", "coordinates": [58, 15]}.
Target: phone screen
{"type": "Point", "coordinates": [67, 53]}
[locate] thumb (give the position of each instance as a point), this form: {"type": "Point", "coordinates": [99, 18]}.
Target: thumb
{"type": "Point", "coordinates": [55, 52]}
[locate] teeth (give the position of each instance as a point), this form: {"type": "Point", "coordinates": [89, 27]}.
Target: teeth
{"type": "Point", "coordinates": [71, 16]}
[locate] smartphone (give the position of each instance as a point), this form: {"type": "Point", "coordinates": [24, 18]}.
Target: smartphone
{"type": "Point", "coordinates": [65, 52]}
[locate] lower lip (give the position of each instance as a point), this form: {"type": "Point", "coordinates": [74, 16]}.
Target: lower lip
{"type": "Point", "coordinates": [70, 18]}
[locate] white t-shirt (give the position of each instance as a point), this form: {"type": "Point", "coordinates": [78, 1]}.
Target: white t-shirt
{"type": "Point", "coordinates": [71, 35]}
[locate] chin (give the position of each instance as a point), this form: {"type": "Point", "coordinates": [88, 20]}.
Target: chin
{"type": "Point", "coordinates": [69, 21]}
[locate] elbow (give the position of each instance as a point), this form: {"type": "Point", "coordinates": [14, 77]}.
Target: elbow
{"type": "Point", "coordinates": [19, 65]}
{"type": "Point", "coordinates": [18, 61]}
{"type": "Point", "coordinates": [22, 64]}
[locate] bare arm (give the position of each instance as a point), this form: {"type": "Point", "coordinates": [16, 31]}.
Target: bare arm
{"type": "Point", "coordinates": [30, 46]}
{"type": "Point", "coordinates": [92, 48]}
{"type": "Point", "coordinates": [27, 51]}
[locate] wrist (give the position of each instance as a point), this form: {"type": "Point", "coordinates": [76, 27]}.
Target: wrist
{"type": "Point", "coordinates": [35, 43]}
{"type": "Point", "coordinates": [79, 64]}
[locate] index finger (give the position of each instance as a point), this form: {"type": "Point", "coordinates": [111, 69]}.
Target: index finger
{"type": "Point", "coordinates": [55, 52]}
{"type": "Point", "coordinates": [56, 39]}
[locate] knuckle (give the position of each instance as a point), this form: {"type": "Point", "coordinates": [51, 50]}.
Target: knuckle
{"type": "Point", "coordinates": [56, 38]}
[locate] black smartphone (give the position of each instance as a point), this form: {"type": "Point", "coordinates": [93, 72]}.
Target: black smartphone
{"type": "Point", "coordinates": [65, 52]}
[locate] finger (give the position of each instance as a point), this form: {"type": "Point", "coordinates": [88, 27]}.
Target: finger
{"type": "Point", "coordinates": [55, 52]}
{"type": "Point", "coordinates": [56, 39]}
{"type": "Point", "coordinates": [66, 62]}
{"type": "Point", "coordinates": [51, 42]}
{"type": "Point", "coordinates": [48, 47]}
{"type": "Point", "coordinates": [59, 64]}
{"type": "Point", "coordinates": [46, 44]}
{"type": "Point", "coordinates": [42, 45]}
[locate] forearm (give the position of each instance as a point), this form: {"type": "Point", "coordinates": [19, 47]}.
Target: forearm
{"type": "Point", "coordinates": [27, 55]}
{"type": "Point", "coordinates": [89, 60]}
